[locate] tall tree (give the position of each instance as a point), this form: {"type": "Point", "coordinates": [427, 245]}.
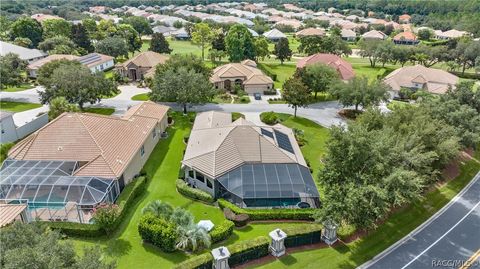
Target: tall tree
{"type": "Point", "coordinates": [296, 94]}
{"type": "Point", "coordinates": [131, 36]}
{"type": "Point", "coordinates": [58, 45]}
{"type": "Point", "coordinates": [11, 68]}
{"type": "Point", "coordinates": [113, 46]}
{"type": "Point", "coordinates": [78, 85]}
{"type": "Point", "coordinates": [28, 28]}
{"type": "Point", "coordinates": [159, 44]}
{"type": "Point", "coordinates": [80, 37]}
{"type": "Point", "coordinates": [90, 26]}
{"type": "Point", "coordinates": [202, 35]}
{"type": "Point", "coordinates": [189, 61]}
{"type": "Point", "coordinates": [140, 24]}
{"type": "Point", "coordinates": [239, 44]}
{"type": "Point", "coordinates": [359, 91]}
{"type": "Point", "coordinates": [261, 48]}
{"type": "Point", "coordinates": [282, 50]}
{"type": "Point", "coordinates": [318, 77]}
{"type": "Point", "coordinates": [56, 27]}
{"type": "Point", "coordinates": [218, 41]}
{"type": "Point", "coordinates": [59, 105]}
{"type": "Point", "coordinates": [46, 71]}
{"type": "Point", "coordinates": [368, 49]}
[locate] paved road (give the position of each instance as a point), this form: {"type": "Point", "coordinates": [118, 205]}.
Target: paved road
{"type": "Point", "coordinates": [27, 96]}
{"type": "Point", "coordinates": [446, 240]}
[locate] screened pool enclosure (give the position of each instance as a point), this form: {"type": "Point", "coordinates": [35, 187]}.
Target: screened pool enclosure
{"type": "Point", "coordinates": [269, 185]}
{"type": "Point", "coordinates": [51, 192]}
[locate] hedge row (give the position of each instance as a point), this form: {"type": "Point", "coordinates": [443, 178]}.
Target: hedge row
{"type": "Point", "coordinates": [193, 193]}
{"type": "Point", "coordinates": [240, 252]}
{"type": "Point", "coordinates": [125, 202]}
{"type": "Point", "coordinates": [159, 232]}
{"type": "Point", "coordinates": [466, 75]}
{"type": "Point", "coordinates": [270, 214]}
{"type": "Point", "coordinates": [267, 72]}
{"type": "Point", "coordinates": [303, 235]}
{"type": "Point", "coordinates": [222, 231]}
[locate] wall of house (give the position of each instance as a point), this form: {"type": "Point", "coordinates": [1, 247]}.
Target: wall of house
{"type": "Point", "coordinates": [8, 130]}
{"type": "Point", "coordinates": [102, 66]}
{"type": "Point", "coordinates": [251, 89]}
{"type": "Point", "coordinates": [32, 126]}
{"type": "Point", "coordinates": [193, 178]}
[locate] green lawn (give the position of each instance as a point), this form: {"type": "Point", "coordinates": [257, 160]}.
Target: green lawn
{"type": "Point", "coordinates": [362, 67]}
{"type": "Point", "coordinates": [397, 226]}
{"type": "Point", "coordinates": [22, 87]}
{"type": "Point", "coordinates": [283, 71]}
{"type": "Point", "coordinates": [141, 97]}
{"type": "Point", "coordinates": [100, 110]}
{"type": "Point", "coordinates": [17, 106]}
{"type": "Point", "coordinates": [185, 47]}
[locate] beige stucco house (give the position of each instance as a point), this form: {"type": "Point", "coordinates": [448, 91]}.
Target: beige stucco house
{"type": "Point", "coordinates": [141, 65]}
{"type": "Point", "coordinates": [246, 74]}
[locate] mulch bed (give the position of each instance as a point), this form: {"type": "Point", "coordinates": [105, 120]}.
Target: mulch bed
{"type": "Point", "coordinates": [350, 114]}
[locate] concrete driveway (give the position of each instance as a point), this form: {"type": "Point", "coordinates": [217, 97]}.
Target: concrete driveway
{"type": "Point", "coordinates": [123, 101]}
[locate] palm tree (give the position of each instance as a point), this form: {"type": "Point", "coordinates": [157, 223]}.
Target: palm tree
{"type": "Point", "coordinates": [182, 217]}
{"type": "Point", "coordinates": [192, 237]}
{"type": "Point", "coordinates": [159, 209]}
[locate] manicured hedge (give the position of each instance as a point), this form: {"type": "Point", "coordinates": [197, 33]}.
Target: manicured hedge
{"type": "Point", "coordinates": [270, 214]}
{"type": "Point", "coordinates": [159, 232]}
{"type": "Point", "coordinates": [125, 202]}
{"type": "Point", "coordinates": [240, 252]}
{"type": "Point", "coordinates": [303, 235]}
{"type": "Point", "coordinates": [269, 118]}
{"type": "Point", "coordinates": [222, 231]}
{"type": "Point", "coordinates": [193, 193]}
{"type": "Point", "coordinates": [267, 72]}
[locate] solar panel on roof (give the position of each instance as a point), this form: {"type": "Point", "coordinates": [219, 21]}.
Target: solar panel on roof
{"type": "Point", "coordinates": [283, 141]}
{"type": "Point", "coordinates": [90, 58]}
{"type": "Point", "coordinates": [266, 132]}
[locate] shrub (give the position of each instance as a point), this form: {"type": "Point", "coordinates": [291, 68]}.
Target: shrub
{"type": "Point", "coordinates": [269, 118]}
{"type": "Point", "coordinates": [4, 148]}
{"type": "Point", "coordinates": [239, 220]}
{"type": "Point", "coordinates": [267, 71]}
{"type": "Point", "coordinates": [270, 92]}
{"type": "Point", "coordinates": [303, 235]}
{"type": "Point", "coordinates": [236, 116]}
{"type": "Point", "coordinates": [105, 216]}
{"type": "Point", "coordinates": [190, 192]}
{"type": "Point", "coordinates": [270, 214]}
{"type": "Point", "coordinates": [185, 138]}
{"type": "Point", "coordinates": [244, 100]}
{"type": "Point", "coordinates": [159, 232]}
{"type": "Point", "coordinates": [222, 231]}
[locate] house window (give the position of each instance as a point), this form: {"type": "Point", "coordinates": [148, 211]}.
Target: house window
{"type": "Point", "coordinates": [191, 174]}
{"type": "Point", "coordinates": [154, 133]}
{"type": "Point", "coordinates": [209, 184]}
{"type": "Point", "coordinates": [142, 150]}
{"type": "Point", "coordinates": [200, 177]}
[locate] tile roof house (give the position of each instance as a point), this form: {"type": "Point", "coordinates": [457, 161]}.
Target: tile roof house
{"type": "Point", "coordinates": [374, 34]}
{"type": "Point", "coordinates": [450, 34]}
{"type": "Point", "coordinates": [29, 55]}
{"type": "Point", "coordinates": [310, 32]}
{"type": "Point", "coordinates": [140, 65]}
{"type": "Point", "coordinates": [246, 74]}
{"type": "Point", "coordinates": [420, 77]}
{"type": "Point", "coordinates": [42, 17]}
{"type": "Point", "coordinates": [96, 62]}
{"type": "Point", "coordinates": [274, 35]}
{"type": "Point", "coordinates": [405, 38]}
{"type": "Point", "coordinates": [249, 165]}
{"type": "Point", "coordinates": [294, 23]}
{"type": "Point", "coordinates": [405, 18]}
{"type": "Point", "coordinates": [33, 67]}
{"type": "Point", "coordinates": [105, 146]}
{"type": "Point", "coordinates": [343, 67]}
{"type": "Point", "coordinates": [348, 35]}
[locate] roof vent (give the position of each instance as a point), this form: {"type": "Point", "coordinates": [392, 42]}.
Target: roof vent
{"type": "Point", "coordinates": [60, 148]}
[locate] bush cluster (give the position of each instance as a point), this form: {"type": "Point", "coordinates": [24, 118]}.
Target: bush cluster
{"type": "Point", "coordinates": [159, 232]}
{"type": "Point", "coordinates": [222, 231]}
{"type": "Point", "coordinates": [270, 214]}
{"type": "Point", "coordinates": [193, 193]}
{"type": "Point", "coordinates": [270, 92]}
{"type": "Point", "coordinates": [239, 220]}
{"type": "Point", "coordinates": [267, 72]}
{"type": "Point", "coordinates": [269, 118]}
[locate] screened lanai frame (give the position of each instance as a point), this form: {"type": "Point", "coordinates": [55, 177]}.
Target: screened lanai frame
{"type": "Point", "coordinates": [51, 192]}
{"type": "Point", "coordinates": [269, 185]}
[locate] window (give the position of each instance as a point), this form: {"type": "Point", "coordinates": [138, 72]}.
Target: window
{"type": "Point", "coordinates": [190, 174]}
{"type": "Point", "coordinates": [200, 177]}
{"type": "Point", "coordinates": [154, 133]}
{"type": "Point", "coordinates": [142, 150]}
{"type": "Point", "coordinates": [209, 184]}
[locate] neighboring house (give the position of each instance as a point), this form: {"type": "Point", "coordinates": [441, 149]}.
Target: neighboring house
{"type": "Point", "coordinates": [248, 165]}
{"type": "Point", "coordinates": [97, 62]}
{"type": "Point", "coordinates": [181, 34]}
{"type": "Point", "coordinates": [450, 34]}
{"type": "Point", "coordinates": [80, 160]}
{"type": "Point", "coordinates": [405, 18]}
{"type": "Point", "coordinates": [405, 38]}
{"type": "Point", "coordinates": [294, 23]}
{"type": "Point", "coordinates": [10, 213]}
{"type": "Point", "coordinates": [140, 65]}
{"type": "Point", "coordinates": [419, 77]}
{"type": "Point", "coordinates": [13, 129]}
{"type": "Point", "coordinates": [32, 68]}
{"type": "Point", "coordinates": [165, 30]}
{"type": "Point", "coordinates": [254, 34]}
{"type": "Point", "coordinates": [42, 17]}
{"type": "Point", "coordinates": [374, 34]}
{"type": "Point", "coordinates": [344, 68]}
{"type": "Point", "coordinates": [29, 55]}
{"type": "Point", "coordinates": [274, 35]}
{"type": "Point", "coordinates": [246, 74]}
{"type": "Point", "coordinates": [310, 32]}
{"type": "Point", "coordinates": [348, 35]}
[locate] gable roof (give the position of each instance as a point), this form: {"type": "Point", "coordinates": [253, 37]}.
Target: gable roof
{"type": "Point", "coordinates": [343, 67]}
{"type": "Point", "coordinates": [434, 80]}
{"type": "Point", "coordinates": [217, 145]}
{"type": "Point", "coordinates": [105, 143]}
{"type": "Point", "coordinates": [274, 34]}
{"type": "Point", "coordinates": [37, 64]}
{"type": "Point", "coordinates": [311, 32]}
{"type": "Point", "coordinates": [405, 36]}
{"type": "Point", "coordinates": [250, 73]}
{"type": "Point", "coordinates": [374, 34]}
{"type": "Point", "coordinates": [346, 33]}
{"type": "Point", "coordinates": [23, 53]}
{"type": "Point", "coordinates": [147, 59]}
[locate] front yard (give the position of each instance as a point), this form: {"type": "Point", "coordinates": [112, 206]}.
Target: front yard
{"type": "Point", "coordinates": [17, 106]}
{"type": "Point", "coordinates": [21, 87]}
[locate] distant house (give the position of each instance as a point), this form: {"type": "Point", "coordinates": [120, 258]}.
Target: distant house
{"type": "Point", "coordinates": [97, 62]}
{"type": "Point", "coordinates": [245, 74]}
{"type": "Point", "coordinates": [405, 18]}
{"type": "Point", "coordinates": [294, 23]}
{"type": "Point", "coordinates": [374, 34]}
{"type": "Point", "coordinates": [29, 55]}
{"type": "Point", "coordinates": [420, 77]}
{"type": "Point", "coordinates": [310, 32]}
{"type": "Point", "coordinates": [42, 17]}
{"type": "Point", "coordinates": [32, 68]}
{"type": "Point", "coordinates": [450, 34]}
{"type": "Point", "coordinates": [344, 68]}
{"type": "Point", "coordinates": [181, 34]}
{"type": "Point", "coordinates": [274, 35]}
{"type": "Point", "coordinates": [165, 30]}
{"type": "Point", "coordinates": [254, 34]}
{"type": "Point", "coordinates": [138, 67]}
{"type": "Point", "coordinates": [405, 38]}
{"type": "Point", "coordinates": [348, 35]}
{"type": "Point", "coordinates": [251, 166]}
{"type": "Point", "coordinates": [15, 128]}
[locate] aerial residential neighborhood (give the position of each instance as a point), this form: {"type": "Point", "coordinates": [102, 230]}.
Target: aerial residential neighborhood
{"type": "Point", "coordinates": [220, 134]}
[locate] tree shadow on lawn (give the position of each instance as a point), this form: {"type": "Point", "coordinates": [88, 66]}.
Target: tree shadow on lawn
{"type": "Point", "coordinates": [288, 260]}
